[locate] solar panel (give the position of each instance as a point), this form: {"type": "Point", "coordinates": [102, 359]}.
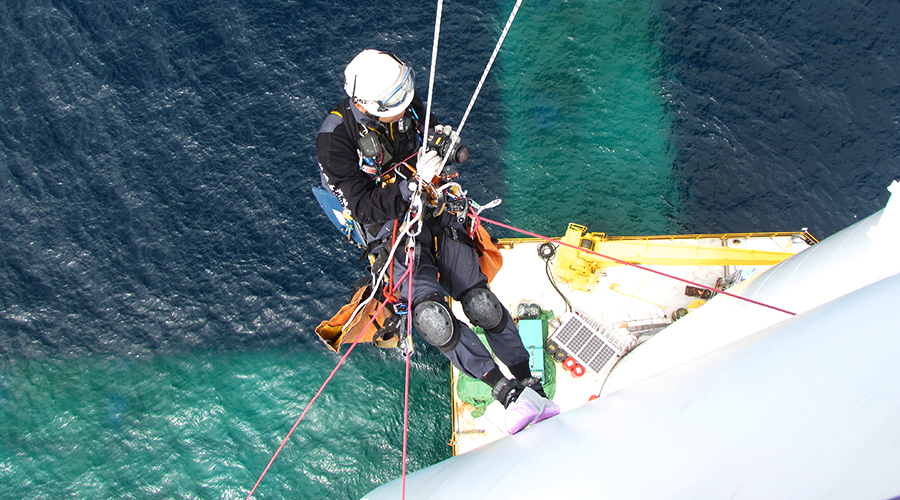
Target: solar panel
{"type": "Point", "coordinates": [591, 342]}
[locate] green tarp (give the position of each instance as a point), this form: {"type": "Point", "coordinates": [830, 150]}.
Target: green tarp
{"type": "Point", "coordinates": [478, 394]}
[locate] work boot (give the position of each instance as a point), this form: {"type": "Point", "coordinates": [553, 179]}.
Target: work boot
{"type": "Point", "coordinates": [507, 391]}
{"type": "Point", "coordinates": [551, 409]}
{"type": "Point", "coordinates": [524, 411]}
{"type": "Point", "coordinates": [523, 405]}
{"type": "Point", "coordinates": [535, 384]}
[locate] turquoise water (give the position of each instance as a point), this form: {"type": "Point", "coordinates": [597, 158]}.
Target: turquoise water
{"type": "Point", "coordinates": [204, 425]}
{"type": "Point", "coordinates": [163, 264]}
{"type": "Point", "coordinates": [588, 128]}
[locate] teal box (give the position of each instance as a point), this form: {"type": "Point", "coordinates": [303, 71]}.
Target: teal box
{"type": "Point", "coordinates": [532, 333]}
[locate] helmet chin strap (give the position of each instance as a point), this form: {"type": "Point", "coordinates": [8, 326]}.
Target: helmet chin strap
{"type": "Point", "coordinates": [364, 111]}
{"type": "Point", "coordinates": [356, 103]}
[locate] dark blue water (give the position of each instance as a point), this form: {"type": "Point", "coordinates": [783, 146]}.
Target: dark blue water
{"type": "Point", "coordinates": [785, 113]}
{"type": "Point", "coordinates": [163, 265]}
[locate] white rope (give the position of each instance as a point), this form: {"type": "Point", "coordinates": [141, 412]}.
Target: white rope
{"type": "Point", "coordinates": [460, 193]}
{"type": "Point", "coordinates": [455, 139]}
{"type": "Point", "coordinates": [490, 63]}
{"type": "Point", "coordinates": [434, 49]}
{"type": "Point", "coordinates": [413, 226]}
{"type": "Point", "coordinates": [378, 280]}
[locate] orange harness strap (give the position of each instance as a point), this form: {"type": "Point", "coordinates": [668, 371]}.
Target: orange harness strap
{"type": "Point", "coordinates": [388, 296]}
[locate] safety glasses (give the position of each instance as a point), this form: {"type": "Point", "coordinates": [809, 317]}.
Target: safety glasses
{"type": "Point", "coordinates": [400, 92]}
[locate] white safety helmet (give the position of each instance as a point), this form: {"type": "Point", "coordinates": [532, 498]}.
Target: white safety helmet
{"type": "Point", "coordinates": [380, 82]}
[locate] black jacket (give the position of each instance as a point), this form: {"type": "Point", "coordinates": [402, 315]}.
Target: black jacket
{"type": "Point", "coordinates": [369, 202]}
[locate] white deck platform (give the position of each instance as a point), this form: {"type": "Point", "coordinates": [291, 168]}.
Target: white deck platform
{"type": "Point", "coordinates": [625, 297]}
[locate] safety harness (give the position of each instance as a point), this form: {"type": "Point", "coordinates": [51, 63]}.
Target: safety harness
{"type": "Point", "coordinates": [376, 154]}
{"type": "Point", "coordinates": [376, 150]}
{"type": "Point", "coordinates": [377, 157]}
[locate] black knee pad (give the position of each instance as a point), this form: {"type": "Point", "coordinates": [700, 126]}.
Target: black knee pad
{"type": "Point", "coordinates": [482, 307]}
{"type": "Point", "coordinates": [435, 322]}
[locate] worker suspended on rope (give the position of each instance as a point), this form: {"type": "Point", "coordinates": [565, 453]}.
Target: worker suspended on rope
{"type": "Point", "coordinates": [368, 151]}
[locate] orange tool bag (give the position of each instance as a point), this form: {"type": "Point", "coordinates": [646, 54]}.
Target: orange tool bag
{"type": "Point", "coordinates": [488, 253]}
{"type": "Point", "coordinates": [337, 330]}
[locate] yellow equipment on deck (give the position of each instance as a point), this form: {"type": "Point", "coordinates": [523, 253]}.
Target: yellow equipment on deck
{"type": "Point", "coordinates": [583, 268]}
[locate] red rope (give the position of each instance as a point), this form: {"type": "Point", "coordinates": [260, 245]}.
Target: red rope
{"type": "Point", "coordinates": [313, 400]}
{"type": "Point", "coordinates": [397, 165]}
{"type": "Point", "coordinates": [480, 218]}
{"type": "Point", "coordinates": [409, 266]}
{"type": "Point", "coordinates": [387, 288]}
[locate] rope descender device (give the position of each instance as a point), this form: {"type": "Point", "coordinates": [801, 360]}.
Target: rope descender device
{"type": "Point", "coordinates": [413, 223]}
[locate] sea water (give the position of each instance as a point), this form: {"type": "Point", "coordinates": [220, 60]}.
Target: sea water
{"type": "Point", "coordinates": [163, 263]}
{"type": "Point", "coordinates": [588, 128]}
